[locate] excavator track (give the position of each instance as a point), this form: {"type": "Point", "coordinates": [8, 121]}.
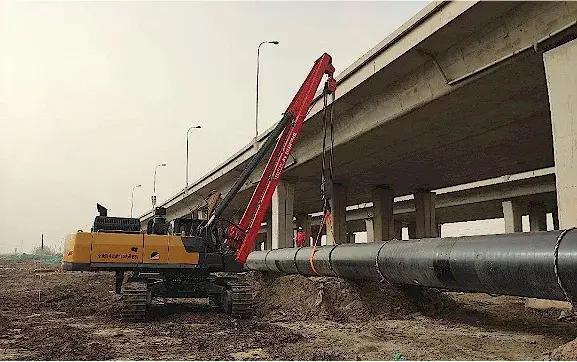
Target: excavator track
{"type": "Point", "coordinates": [238, 300]}
{"type": "Point", "coordinates": [135, 301]}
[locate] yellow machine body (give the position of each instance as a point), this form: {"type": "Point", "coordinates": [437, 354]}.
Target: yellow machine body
{"type": "Point", "coordinates": [96, 250]}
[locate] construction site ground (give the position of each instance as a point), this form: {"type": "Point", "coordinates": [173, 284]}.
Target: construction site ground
{"type": "Point", "coordinates": [47, 314]}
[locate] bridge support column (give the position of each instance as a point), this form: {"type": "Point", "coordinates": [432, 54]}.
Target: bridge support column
{"type": "Point", "coordinates": [512, 215]}
{"type": "Point", "coordinates": [369, 228]}
{"type": "Point", "coordinates": [555, 216]}
{"type": "Point", "coordinates": [398, 229]}
{"type": "Point", "coordinates": [282, 215]}
{"type": "Point", "coordinates": [383, 224]}
{"type": "Point", "coordinates": [426, 226]}
{"type": "Point", "coordinates": [351, 238]}
{"type": "Point", "coordinates": [304, 221]}
{"type": "Point", "coordinates": [537, 217]}
{"type": "Point", "coordinates": [412, 229]}
{"type": "Point", "coordinates": [336, 223]}
{"type": "Point", "coordinates": [268, 240]}
{"type": "Point", "coordinates": [202, 214]}
{"type": "Point", "coordinates": [259, 240]}
{"type": "Point", "coordinates": [562, 86]}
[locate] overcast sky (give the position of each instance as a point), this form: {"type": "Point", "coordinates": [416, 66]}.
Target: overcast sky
{"type": "Point", "coordinates": [94, 94]}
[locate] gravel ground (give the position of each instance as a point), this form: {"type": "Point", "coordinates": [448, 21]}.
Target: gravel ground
{"type": "Point", "coordinates": [74, 316]}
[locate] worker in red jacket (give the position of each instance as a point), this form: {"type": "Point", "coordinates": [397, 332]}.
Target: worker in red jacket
{"type": "Point", "coordinates": [300, 237]}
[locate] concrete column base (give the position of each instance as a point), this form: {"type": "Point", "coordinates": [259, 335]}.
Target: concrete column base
{"type": "Point", "coordinates": [537, 217]}
{"type": "Point", "coordinates": [282, 216]}
{"type": "Point", "coordinates": [336, 223]}
{"type": "Point", "coordinates": [426, 224]}
{"type": "Point", "coordinates": [383, 224]}
{"type": "Point", "coordinates": [369, 229]}
{"type": "Point", "coordinates": [398, 230]}
{"type": "Point", "coordinates": [268, 240]}
{"type": "Point", "coordinates": [513, 216]}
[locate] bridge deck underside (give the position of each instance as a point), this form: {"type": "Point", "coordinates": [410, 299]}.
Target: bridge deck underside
{"type": "Point", "coordinates": [496, 125]}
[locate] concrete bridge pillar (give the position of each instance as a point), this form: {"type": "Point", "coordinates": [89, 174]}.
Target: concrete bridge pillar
{"type": "Point", "coordinates": [268, 240]}
{"type": "Point", "coordinates": [398, 230]}
{"type": "Point", "coordinates": [202, 214]}
{"type": "Point", "coordinates": [282, 215]}
{"type": "Point", "coordinates": [562, 87]}
{"type": "Point", "coordinates": [351, 238]}
{"type": "Point", "coordinates": [537, 217]}
{"type": "Point", "coordinates": [336, 224]}
{"type": "Point", "coordinates": [412, 229]}
{"type": "Point", "coordinates": [259, 241]}
{"type": "Point", "coordinates": [369, 228]}
{"type": "Point", "coordinates": [426, 225]}
{"type": "Point", "coordinates": [512, 214]}
{"type": "Point", "coordinates": [383, 224]}
{"type": "Point", "coordinates": [555, 216]}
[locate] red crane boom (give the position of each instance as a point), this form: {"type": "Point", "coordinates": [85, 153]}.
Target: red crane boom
{"type": "Point", "coordinates": [242, 237]}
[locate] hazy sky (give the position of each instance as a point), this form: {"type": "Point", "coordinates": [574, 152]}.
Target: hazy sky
{"type": "Point", "coordinates": [94, 94]}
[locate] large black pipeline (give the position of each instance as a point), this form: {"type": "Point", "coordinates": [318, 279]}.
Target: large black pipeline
{"type": "Point", "coordinates": [538, 264]}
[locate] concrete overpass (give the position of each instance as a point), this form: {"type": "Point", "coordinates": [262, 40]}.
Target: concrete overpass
{"type": "Point", "coordinates": [464, 91]}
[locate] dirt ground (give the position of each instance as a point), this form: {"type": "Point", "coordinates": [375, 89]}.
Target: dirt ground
{"type": "Point", "coordinates": [74, 316]}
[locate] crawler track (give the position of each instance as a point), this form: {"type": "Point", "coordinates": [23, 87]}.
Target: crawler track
{"type": "Point", "coordinates": [135, 300]}
{"type": "Point", "coordinates": [239, 299]}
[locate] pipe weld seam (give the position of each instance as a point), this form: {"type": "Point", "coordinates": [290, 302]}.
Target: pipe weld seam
{"type": "Point", "coordinates": [331, 261]}
{"type": "Point", "coordinates": [556, 266]}
{"type": "Point", "coordinates": [295, 259]}
{"type": "Point", "coordinates": [377, 261]}
{"type": "Point", "coordinates": [265, 262]}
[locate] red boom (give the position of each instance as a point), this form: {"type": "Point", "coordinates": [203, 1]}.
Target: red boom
{"type": "Point", "coordinates": [243, 236]}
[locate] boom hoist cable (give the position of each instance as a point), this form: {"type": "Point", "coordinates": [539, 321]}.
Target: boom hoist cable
{"type": "Point", "coordinates": [327, 167]}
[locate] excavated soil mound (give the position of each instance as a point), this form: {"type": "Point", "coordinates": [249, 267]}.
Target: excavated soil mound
{"type": "Point", "coordinates": [295, 297]}
{"type": "Point", "coordinates": [565, 352]}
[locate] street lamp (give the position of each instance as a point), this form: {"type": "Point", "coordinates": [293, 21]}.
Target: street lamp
{"type": "Point", "coordinates": [274, 42]}
{"type": "Point", "coordinates": [187, 132]}
{"type": "Point", "coordinates": [154, 184]}
{"type": "Point", "coordinates": [132, 198]}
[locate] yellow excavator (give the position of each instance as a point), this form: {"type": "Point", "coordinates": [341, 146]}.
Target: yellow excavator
{"type": "Point", "coordinates": [188, 257]}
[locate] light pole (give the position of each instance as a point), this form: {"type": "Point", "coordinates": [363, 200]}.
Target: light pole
{"type": "Point", "coordinates": [154, 184]}
{"type": "Point", "coordinates": [187, 133]}
{"type": "Point", "coordinates": [132, 198]}
{"type": "Point", "coordinates": [274, 42]}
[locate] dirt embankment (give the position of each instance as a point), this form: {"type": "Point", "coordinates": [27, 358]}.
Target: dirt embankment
{"type": "Point", "coordinates": [295, 297]}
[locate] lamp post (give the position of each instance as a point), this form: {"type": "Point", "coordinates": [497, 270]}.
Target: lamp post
{"type": "Point", "coordinates": [132, 198]}
{"type": "Point", "coordinates": [187, 133]}
{"type": "Point", "coordinates": [154, 184]}
{"type": "Point", "coordinates": [274, 42]}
